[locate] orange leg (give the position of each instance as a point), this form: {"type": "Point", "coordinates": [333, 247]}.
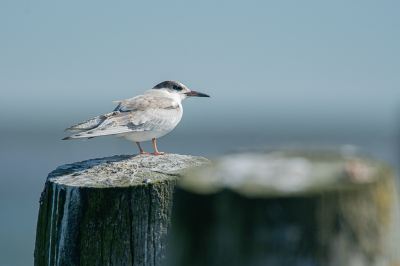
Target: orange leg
{"type": "Point", "coordinates": [141, 151]}
{"type": "Point", "coordinates": [156, 152]}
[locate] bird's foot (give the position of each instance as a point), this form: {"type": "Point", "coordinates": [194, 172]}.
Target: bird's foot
{"type": "Point", "coordinates": [142, 152]}
{"type": "Point", "coordinates": [159, 153]}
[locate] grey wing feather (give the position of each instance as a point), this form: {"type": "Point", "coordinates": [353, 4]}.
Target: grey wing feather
{"type": "Point", "coordinates": [88, 124]}
{"type": "Point", "coordinates": [137, 114]}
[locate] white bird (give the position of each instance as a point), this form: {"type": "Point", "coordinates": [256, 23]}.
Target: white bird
{"type": "Point", "coordinates": [145, 117]}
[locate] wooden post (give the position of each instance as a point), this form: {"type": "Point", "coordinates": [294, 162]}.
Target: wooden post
{"type": "Point", "coordinates": [287, 207]}
{"type": "Point", "coordinates": [109, 211]}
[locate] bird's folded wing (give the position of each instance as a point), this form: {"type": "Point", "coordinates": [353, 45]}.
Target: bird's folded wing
{"type": "Point", "coordinates": [140, 114]}
{"type": "Point", "coordinates": [88, 124]}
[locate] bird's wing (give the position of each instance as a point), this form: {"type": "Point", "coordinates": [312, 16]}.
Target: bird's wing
{"type": "Point", "coordinates": [141, 113]}
{"type": "Point", "coordinates": [88, 124]}
{"type": "Point", "coordinates": [153, 113]}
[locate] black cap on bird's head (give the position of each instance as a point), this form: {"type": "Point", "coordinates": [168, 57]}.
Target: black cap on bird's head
{"type": "Point", "coordinates": [174, 86]}
{"type": "Point", "coordinates": [170, 85]}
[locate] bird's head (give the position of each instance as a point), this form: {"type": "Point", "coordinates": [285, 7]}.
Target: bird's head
{"type": "Point", "coordinates": [177, 88]}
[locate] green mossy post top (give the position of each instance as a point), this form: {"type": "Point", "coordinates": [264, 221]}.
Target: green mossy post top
{"type": "Point", "coordinates": [124, 170]}
{"type": "Point", "coordinates": [286, 172]}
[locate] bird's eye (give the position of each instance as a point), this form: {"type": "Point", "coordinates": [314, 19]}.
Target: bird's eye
{"type": "Point", "coordinates": [177, 88]}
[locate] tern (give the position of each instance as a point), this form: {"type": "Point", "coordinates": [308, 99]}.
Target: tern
{"type": "Point", "coordinates": [145, 117]}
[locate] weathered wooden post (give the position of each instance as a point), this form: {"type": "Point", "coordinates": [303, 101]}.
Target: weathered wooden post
{"type": "Point", "coordinates": [109, 211]}
{"type": "Point", "coordinates": [287, 208]}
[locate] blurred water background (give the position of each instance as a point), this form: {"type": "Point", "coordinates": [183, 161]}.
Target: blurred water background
{"type": "Point", "coordinates": [279, 73]}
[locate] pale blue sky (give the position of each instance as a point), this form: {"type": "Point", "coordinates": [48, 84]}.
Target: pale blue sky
{"type": "Point", "coordinates": [312, 66]}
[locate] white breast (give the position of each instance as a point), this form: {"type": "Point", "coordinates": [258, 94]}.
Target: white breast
{"type": "Point", "coordinates": [140, 136]}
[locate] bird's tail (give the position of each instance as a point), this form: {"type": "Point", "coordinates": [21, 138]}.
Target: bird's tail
{"type": "Point", "coordinates": [77, 136]}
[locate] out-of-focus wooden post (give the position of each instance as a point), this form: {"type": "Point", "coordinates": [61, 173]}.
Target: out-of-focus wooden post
{"type": "Point", "coordinates": [287, 207]}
